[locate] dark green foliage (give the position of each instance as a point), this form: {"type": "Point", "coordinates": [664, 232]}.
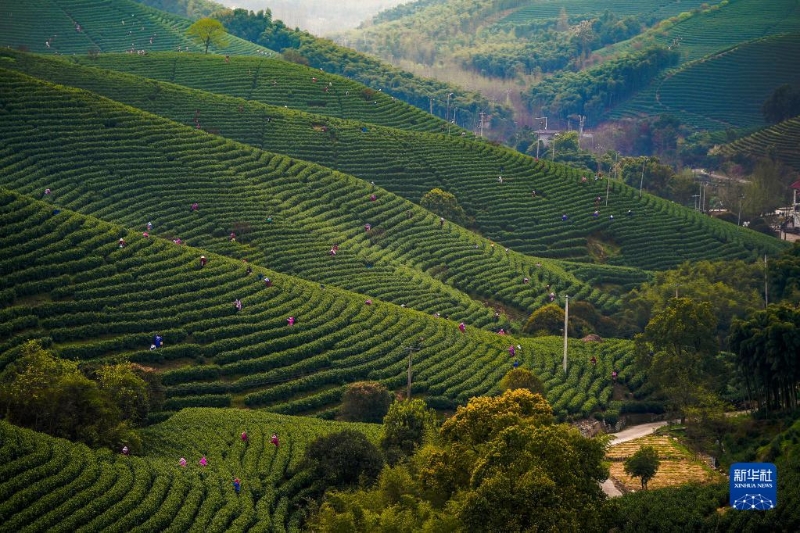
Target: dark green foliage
{"type": "Point", "coordinates": [767, 344]}
{"type": "Point", "coordinates": [522, 378]}
{"type": "Point", "coordinates": [547, 320]}
{"type": "Point", "coordinates": [782, 104]}
{"type": "Point", "coordinates": [643, 464]}
{"type": "Point", "coordinates": [594, 91]}
{"type": "Point", "coordinates": [365, 401]}
{"type": "Point", "coordinates": [404, 429]}
{"type": "Point", "coordinates": [344, 459]}
{"type": "Point", "coordinates": [784, 275]}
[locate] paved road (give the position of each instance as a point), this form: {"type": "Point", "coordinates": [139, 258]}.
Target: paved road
{"type": "Point", "coordinates": [629, 433]}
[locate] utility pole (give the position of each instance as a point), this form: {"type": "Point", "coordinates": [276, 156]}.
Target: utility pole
{"type": "Point", "coordinates": [411, 348]}
{"type": "Point", "coordinates": [447, 112]}
{"type": "Point", "coordinates": [538, 139]}
{"type": "Point", "coordinates": [581, 120]}
{"type": "Point", "coordinates": [482, 114]}
{"type": "Point", "coordinates": [766, 294]}
{"type": "Point", "coordinates": [641, 181]}
{"type": "Point", "coordinates": [566, 331]}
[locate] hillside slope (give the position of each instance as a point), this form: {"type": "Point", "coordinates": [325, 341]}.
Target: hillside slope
{"type": "Point", "coordinates": [411, 164]}
{"type": "Point", "coordinates": [68, 27]}
{"type": "Point", "coordinates": [67, 282]}
{"type": "Point", "coordinates": [49, 484]}
{"type": "Point", "coordinates": [725, 89]}
{"type": "Point", "coordinates": [781, 141]}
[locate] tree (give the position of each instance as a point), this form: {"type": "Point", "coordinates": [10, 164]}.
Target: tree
{"type": "Point", "coordinates": [522, 378]}
{"type": "Point", "coordinates": [344, 459]}
{"type": "Point", "coordinates": [784, 275]}
{"type": "Point", "coordinates": [767, 344]}
{"type": "Point", "coordinates": [547, 320]}
{"type": "Point", "coordinates": [404, 429]}
{"type": "Point", "coordinates": [683, 366]}
{"type": "Point", "coordinates": [445, 205]}
{"type": "Point", "coordinates": [48, 394]}
{"type": "Point", "coordinates": [783, 104]}
{"type": "Point", "coordinates": [499, 464]}
{"type": "Point", "coordinates": [208, 31]}
{"type": "Point", "coordinates": [643, 464]}
{"type": "Point", "coordinates": [365, 401]}
{"type": "Point", "coordinates": [127, 389]}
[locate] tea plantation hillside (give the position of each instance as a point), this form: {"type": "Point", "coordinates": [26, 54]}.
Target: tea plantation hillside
{"type": "Point", "coordinates": [726, 89]}
{"type": "Point", "coordinates": [69, 27]}
{"type": "Point", "coordinates": [781, 141]}
{"type": "Point", "coordinates": [734, 56]}
{"type": "Point", "coordinates": [411, 164]}
{"type": "Point", "coordinates": [67, 282]}
{"type": "Point", "coordinates": [101, 158]}
{"type": "Point", "coordinates": [279, 83]}
{"type": "Point", "coordinates": [49, 484]}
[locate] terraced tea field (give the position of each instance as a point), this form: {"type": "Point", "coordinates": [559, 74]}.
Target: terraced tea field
{"type": "Point", "coordinates": [67, 27]}
{"type": "Point", "coordinates": [411, 164]}
{"type": "Point", "coordinates": [678, 466]}
{"type": "Point", "coordinates": [67, 282]}
{"type": "Point", "coordinates": [781, 141]}
{"type": "Point", "coordinates": [49, 484]}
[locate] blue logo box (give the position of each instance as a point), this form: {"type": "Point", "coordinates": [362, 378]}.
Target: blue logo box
{"type": "Point", "coordinates": [754, 486]}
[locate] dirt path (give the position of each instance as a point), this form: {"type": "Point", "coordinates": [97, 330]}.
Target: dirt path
{"type": "Point", "coordinates": [629, 433]}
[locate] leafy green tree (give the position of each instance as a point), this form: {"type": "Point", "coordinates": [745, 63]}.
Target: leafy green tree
{"type": "Point", "coordinates": [683, 366]}
{"type": "Point", "coordinates": [445, 205]}
{"type": "Point", "coordinates": [48, 394]}
{"type": "Point", "coordinates": [767, 188]}
{"type": "Point", "coordinates": [732, 288]}
{"type": "Point", "coordinates": [345, 459]}
{"type": "Point", "coordinates": [643, 464]}
{"type": "Point", "coordinates": [522, 378]}
{"type": "Point", "coordinates": [783, 104]}
{"type": "Point", "coordinates": [404, 429]}
{"type": "Point", "coordinates": [127, 389]}
{"type": "Point", "coordinates": [784, 276]}
{"type": "Point", "coordinates": [767, 344]}
{"type": "Point", "coordinates": [507, 467]}
{"type": "Point", "coordinates": [365, 401]}
{"type": "Point", "coordinates": [547, 320]}
{"type": "Point", "coordinates": [208, 31]}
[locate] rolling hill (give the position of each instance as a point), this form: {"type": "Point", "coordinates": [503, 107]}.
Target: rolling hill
{"type": "Point", "coordinates": [49, 484]}
{"type": "Point", "coordinates": [67, 282]}
{"type": "Point", "coordinates": [781, 141]}
{"type": "Point", "coordinates": [68, 27]}
{"type": "Point", "coordinates": [410, 164]}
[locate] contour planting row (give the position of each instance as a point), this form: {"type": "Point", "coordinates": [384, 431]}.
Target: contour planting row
{"type": "Point", "coordinates": [77, 26]}
{"type": "Point", "coordinates": [715, 87]}
{"type": "Point", "coordinates": [543, 9]}
{"type": "Point", "coordinates": [779, 141]}
{"type": "Point", "coordinates": [54, 485]}
{"type": "Point", "coordinates": [737, 21]}
{"type": "Point", "coordinates": [278, 83]}
{"type": "Point", "coordinates": [285, 213]}
{"type": "Point", "coordinates": [68, 282]}
{"type": "Point", "coordinates": [412, 164]}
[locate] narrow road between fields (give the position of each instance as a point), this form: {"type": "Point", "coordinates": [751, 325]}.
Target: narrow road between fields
{"type": "Point", "coordinates": [629, 433]}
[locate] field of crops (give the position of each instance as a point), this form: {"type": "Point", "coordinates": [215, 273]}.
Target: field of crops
{"type": "Point", "coordinates": [731, 87]}
{"type": "Point", "coordinates": [645, 10]}
{"type": "Point", "coordinates": [49, 484]}
{"type": "Point", "coordinates": [780, 141]}
{"type": "Point", "coordinates": [678, 466]}
{"type": "Point", "coordinates": [410, 164]}
{"type": "Point", "coordinates": [734, 55]}
{"type": "Point", "coordinates": [67, 27]}
{"type": "Point", "coordinates": [67, 282]}
{"type": "Point", "coordinates": [407, 256]}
